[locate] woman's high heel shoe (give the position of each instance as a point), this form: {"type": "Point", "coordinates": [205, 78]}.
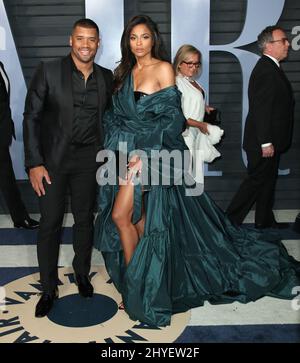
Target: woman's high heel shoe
{"type": "Point", "coordinates": [121, 306]}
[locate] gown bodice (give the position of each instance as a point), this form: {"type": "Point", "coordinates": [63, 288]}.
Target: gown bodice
{"type": "Point", "coordinates": [138, 95]}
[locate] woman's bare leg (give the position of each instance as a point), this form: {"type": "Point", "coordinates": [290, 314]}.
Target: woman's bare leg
{"type": "Point", "coordinates": [140, 226]}
{"type": "Point", "coordinates": [122, 215]}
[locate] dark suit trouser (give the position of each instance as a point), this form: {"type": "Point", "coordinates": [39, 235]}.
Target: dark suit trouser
{"type": "Point", "coordinates": [9, 188]}
{"type": "Point", "coordinates": [259, 188]}
{"type": "Point", "coordinates": [79, 175]}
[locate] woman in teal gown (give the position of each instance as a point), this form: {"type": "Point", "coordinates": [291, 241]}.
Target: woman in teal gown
{"type": "Point", "coordinates": [165, 251]}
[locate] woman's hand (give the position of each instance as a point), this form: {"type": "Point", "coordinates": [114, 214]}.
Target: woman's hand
{"type": "Point", "coordinates": [134, 167]}
{"type": "Point", "coordinates": [202, 126]}
{"type": "Point", "coordinates": [208, 109]}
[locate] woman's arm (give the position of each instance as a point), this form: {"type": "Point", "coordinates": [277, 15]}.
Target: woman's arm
{"type": "Point", "coordinates": [202, 126]}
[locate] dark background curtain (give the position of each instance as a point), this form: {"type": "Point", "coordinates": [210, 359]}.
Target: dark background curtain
{"type": "Point", "coordinates": [41, 31]}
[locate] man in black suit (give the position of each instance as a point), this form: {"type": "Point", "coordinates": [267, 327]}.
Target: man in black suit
{"type": "Point", "coordinates": [62, 135]}
{"type": "Point", "coordinates": [8, 184]}
{"type": "Point", "coordinates": [268, 131]}
{"type": "Point", "coordinates": [296, 226]}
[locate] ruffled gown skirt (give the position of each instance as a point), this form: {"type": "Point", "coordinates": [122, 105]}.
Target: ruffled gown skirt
{"type": "Point", "coordinates": [190, 253]}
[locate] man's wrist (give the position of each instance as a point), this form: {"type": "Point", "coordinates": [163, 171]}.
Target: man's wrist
{"type": "Point", "coordinates": [35, 166]}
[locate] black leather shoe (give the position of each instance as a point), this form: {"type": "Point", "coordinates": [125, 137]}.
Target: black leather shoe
{"type": "Point", "coordinates": [45, 304]}
{"type": "Point", "coordinates": [280, 225]}
{"type": "Point", "coordinates": [296, 226]}
{"type": "Point", "coordinates": [27, 223]}
{"type": "Point", "coordinates": [85, 288]}
{"type": "Point", "coordinates": [274, 225]}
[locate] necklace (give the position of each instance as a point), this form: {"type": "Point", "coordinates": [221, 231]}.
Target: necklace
{"type": "Point", "coordinates": [193, 83]}
{"type": "Point", "coordinates": [190, 79]}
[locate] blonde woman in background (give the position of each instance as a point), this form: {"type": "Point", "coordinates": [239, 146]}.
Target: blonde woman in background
{"type": "Point", "coordinates": [199, 135]}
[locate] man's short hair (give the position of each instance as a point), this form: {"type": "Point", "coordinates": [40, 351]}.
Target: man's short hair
{"type": "Point", "coordinates": [266, 36]}
{"type": "Point", "coordinates": [86, 23]}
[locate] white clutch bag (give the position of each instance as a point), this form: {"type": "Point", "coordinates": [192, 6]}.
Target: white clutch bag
{"type": "Point", "coordinates": [204, 143]}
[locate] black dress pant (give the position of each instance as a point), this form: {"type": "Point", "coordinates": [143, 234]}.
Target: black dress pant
{"type": "Point", "coordinates": [259, 188]}
{"type": "Point", "coordinates": [9, 188]}
{"type": "Point", "coordinates": [78, 174]}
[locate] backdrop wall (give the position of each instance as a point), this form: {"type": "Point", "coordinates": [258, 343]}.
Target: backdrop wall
{"type": "Point", "coordinates": [225, 32]}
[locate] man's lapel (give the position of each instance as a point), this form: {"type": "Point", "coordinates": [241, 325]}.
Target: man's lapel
{"type": "Point", "coordinates": [281, 74]}
{"type": "Point", "coordinates": [286, 81]}
{"type": "Point", "coordinates": [67, 94]}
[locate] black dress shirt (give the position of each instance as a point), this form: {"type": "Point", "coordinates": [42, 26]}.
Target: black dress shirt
{"type": "Point", "coordinates": [85, 98]}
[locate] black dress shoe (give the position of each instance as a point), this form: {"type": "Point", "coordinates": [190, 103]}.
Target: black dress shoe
{"type": "Point", "coordinates": [45, 304]}
{"type": "Point", "coordinates": [274, 225]}
{"type": "Point", "coordinates": [280, 225]}
{"type": "Point", "coordinates": [27, 223]}
{"type": "Point", "coordinates": [85, 288]}
{"type": "Point", "coordinates": [296, 226]}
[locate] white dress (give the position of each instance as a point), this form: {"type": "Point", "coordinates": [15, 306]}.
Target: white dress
{"type": "Point", "coordinates": [199, 144]}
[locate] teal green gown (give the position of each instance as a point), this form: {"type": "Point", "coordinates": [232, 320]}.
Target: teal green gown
{"type": "Point", "coordinates": [190, 252]}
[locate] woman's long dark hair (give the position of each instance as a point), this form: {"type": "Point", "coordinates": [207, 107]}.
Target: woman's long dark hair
{"type": "Point", "coordinates": [128, 59]}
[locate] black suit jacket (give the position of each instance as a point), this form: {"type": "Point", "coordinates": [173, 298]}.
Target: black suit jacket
{"type": "Point", "coordinates": [6, 123]}
{"type": "Point", "coordinates": [48, 115]}
{"type": "Point", "coordinates": [271, 108]}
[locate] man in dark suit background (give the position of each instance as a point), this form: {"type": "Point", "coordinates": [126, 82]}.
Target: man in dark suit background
{"type": "Point", "coordinates": [62, 135]}
{"type": "Point", "coordinates": [8, 184]}
{"type": "Point", "coordinates": [268, 131]}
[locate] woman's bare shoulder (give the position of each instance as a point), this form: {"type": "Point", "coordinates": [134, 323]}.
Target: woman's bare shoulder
{"type": "Point", "coordinates": [165, 74]}
{"type": "Point", "coordinates": [163, 66]}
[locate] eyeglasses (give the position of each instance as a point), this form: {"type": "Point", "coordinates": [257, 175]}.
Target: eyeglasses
{"type": "Point", "coordinates": [191, 64]}
{"type": "Point", "coordinates": [282, 40]}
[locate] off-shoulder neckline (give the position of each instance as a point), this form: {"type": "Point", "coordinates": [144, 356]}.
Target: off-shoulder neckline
{"type": "Point", "coordinates": [153, 93]}
{"type": "Point", "coordinates": [149, 94]}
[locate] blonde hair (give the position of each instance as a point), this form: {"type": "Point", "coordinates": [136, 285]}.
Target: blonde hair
{"type": "Point", "coordinates": [182, 55]}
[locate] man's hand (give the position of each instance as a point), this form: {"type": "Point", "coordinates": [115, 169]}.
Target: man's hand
{"type": "Point", "coordinates": [268, 151]}
{"type": "Point", "coordinates": [36, 176]}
